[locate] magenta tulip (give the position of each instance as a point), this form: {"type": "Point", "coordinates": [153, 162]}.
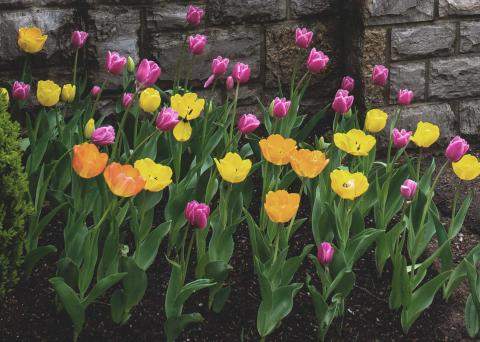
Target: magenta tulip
{"type": "Point", "coordinates": [103, 136]}
{"type": "Point", "coordinates": [20, 90]}
{"type": "Point", "coordinates": [115, 63]}
{"type": "Point", "coordinates": [303, 38]}
{"type": "Point", "coordinates": [457, 148]}
{"type": "Point", "coordinates": [404, 97]}
{"type": "Point", "coordinates": [247, 123]}
{"type": "Point", "coordinates": [317, 61]}
{"type": "Point", "coordinates": [348, 84]}
{"type": "Point", "coordinates": [209, 81]}
{"type": "Point", "coordinates": [78, 39]}
{"type": "Point", "coordinates": [401, 138]}
{"type": "Point", "coordinates": [408, 189]}
{"type": "Point", "coordinates": [380, 75]}
{"type": "Point", "coordinates": [167, 119]}
{"type": "Point", "coordinates": [280, 107]}
{"type": "Point", "coordinates": [196, 44]}
{"type": "Point", "coordinates": [95, 91]}
{"type": "Point", "coordinates": [194, 15]}
{"type": "Point", "coordinates": [325, 253]}
{"type": "Point", "coordinates": [197, 214]}
{"type": "Point", "coordinates": [220, 65]}
{"type": "Point", "coordinates": [127, 99]}
{"type": "Point", "coordinates": [342, 102]}
{"type": "Point", "coordinates": [148, 73]}
{"type": "Point", "coordinates": [241, 73]}
{"type": "Point", "coordinates": [229, 83]}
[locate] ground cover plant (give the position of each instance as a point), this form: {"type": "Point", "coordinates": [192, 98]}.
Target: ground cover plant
{"type": "Point", "coordinates": [175, 169]}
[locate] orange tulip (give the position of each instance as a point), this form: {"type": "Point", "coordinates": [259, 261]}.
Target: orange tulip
{"type": "Point", "coordinates": [87, 161]}
{"type": "Point", "coordinates": [281, 206]}
{"type": "Point", "coordinates": [123, 180]}
{"type": "Point", "coordinates": [277, 150]}
{"type": "Point", "coordinates": [308, 163]}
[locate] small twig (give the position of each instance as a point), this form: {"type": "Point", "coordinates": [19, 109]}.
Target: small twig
{"type": "Point", "coordinates": [371, 294]}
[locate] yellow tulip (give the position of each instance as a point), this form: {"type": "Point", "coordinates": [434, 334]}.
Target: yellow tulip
{"type": "Point", "coordinates": [89, 128]}
{"type": "Point", "coordinates": [281, 206]}
{"type": "Point", "coordinates": [308, 163]}
{"type": "Point", "coordinates": [375, 120]}
{"type": "Point", "coordinates": [150, 100]}
{"type": "Point", "coordinates": [48, 93]}
{"type": "Point", "coordinates": [348, 185]}
{"type": "Point", "coordinates": [467, 168]}
{"type": "Point", "coordinates": [4, 94]}
{"type": "Point", "coordinates": [277, 150]}
{"type": "Point", "coordinates": [182, 131]}
{"type": "Point", "coordinates": [355, 142]}
{"type": "Point", "coordinates": [188, 106]}
{"type": "Point", "coordinates": [156, 176]}
{"type": "Point", "coordinates": [68, 93]}
{"type": "Point", "coordinates": [426, 134]}
{"type": "Point", "coordinates": [233, 168]}
{"type": "Point", "coordinates": [31, 39]}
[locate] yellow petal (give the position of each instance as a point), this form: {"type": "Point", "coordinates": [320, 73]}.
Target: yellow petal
{"type": "Point", "coordinates": [182, 131]}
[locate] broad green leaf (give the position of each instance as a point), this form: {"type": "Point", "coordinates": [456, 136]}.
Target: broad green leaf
{"type": "Point", "coordinates": [71, 303]}
{"type": "Point", "coordinates": [34, 256]}
{"type": "Point", "coordinates": [147, 250]}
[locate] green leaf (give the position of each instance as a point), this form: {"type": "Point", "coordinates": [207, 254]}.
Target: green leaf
{"type": "Point", "coordinates": [471, 317]}
{"type": "Point", "coordinates": [147, 250]}
{"type": "Point", "coordinates": [134, 283]}
{"type": "Point", "coordinates": [175, 325]}
{"type": "Point", "coordinates": [90, 255]}
{"type": "Point", "coordinates": [190, 289]}
{"type": "Point", "coordinates": [459, 217]}
{"type": "Point", "coordinates": [102, 286]}
{"type": "Point", "coordinates": [34, 256]}
{"type": "Point", "coordinates": [357, 246]}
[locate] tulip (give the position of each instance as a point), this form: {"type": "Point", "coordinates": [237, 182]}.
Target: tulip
{"type": "Point", "coordinates": [194, 15]}
{"type": "Point", "coordinates": [342, 102]}
{"type": "Point", "coordinates": [68, 92]}
{"type": "Point", "coordinates": [127, 99]}
{"type": "Point", "coordinates": [157, 176]}
{"type": "Point", "coordinates": [220, 65]}
{"type": "Point", "coordinates": [167, 119]}
{"type": "Point", "coordinates": [348, 185]}
{"type": "Point", "coordinates": [103, 136]}
{"type": "Point", "coordinates": [89, 128]}
{"type": "Point", "coordinates": [457, 148]}
{"type": "Point", "coordinates": [408, 189]}
{"type": "Point", "coordinates": [150, 100]}
{"type": "Point", "coordinates": [404, 97]}
{"type": "Point", "coordinates": [467, 168]}
{"type": "Point", "coordinates": [325, 253]}
{"type": "Point", "coordinates": [148, 73]}
{"type": "Point", "coordinates": [196, 44]}
{"type": "Point", "coordinates": [115, 63]}
{"type": "Point", "coordinates": [348, 84]}
{"type": "Point", "coordinates": [277, 149]}
{"type": "Point", "coordinates": [130, 64]}
{"type": "Point", "coordinates": [308, 164]}
{"type": "Point", "coordinates": [317, 61]}
{"type": "Point", "coordinates": [280, 107]}
{"type": "Point", "coordinates": [229, 83]}
{"type": "Point", "coordinates": [20, 90]}
{"type": "Point", "coordinates": [87, 160]}
{"type": "Point", "coordinates": [232, 168]}
{"type": "Point", "coordinates": [375, 120]}
{"type": "Point", "coordinates": [241, 73]}
{"type": "Point", "coordinates": [380, 75]}
{"type": "Point", "coordinates": [197, 214]}
{"type": "Point", "coordinates": [303, 38]}
{"type": "Point", "coordinates": [281, 206]}
{"type": "Point", "coordinates": [426, 134]}
{"type": "Point", "coordinates": [355, 142]}
{"type": "Point", "coordinates": [188, 107]}
{"type": "Point", "coordinates": [123, 180]}
{"type": "Point", "coordinates": [31, 39]}
{"type": "Point", "coordinates": [209, 81]}
{"type": "Point", "coordinates": [95, 91]}
{"type": "Point", "coordinates": [78, 39]}
{"type": "Point", "coordinates": [401, 138]}
{"type": "Point", "coordinates": [247, 123]}
{"type": "Point", "coordinates": [48, 93]}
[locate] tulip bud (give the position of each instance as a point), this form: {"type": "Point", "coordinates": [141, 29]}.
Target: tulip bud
{"type": "Point", "coordinates": [280, 107]}
{"type": "Point", "coordinates": [325, 253]}
{"type": "Point", "coordinates": [148, 73]}
{"type": "Point", "coordinates": [124, 250]}
{"type": "Point", "coordinates": [20, 90]}
{"type": "Point", "coordinates": [342, 102]}
{"type": "Point", "coordinates": [167, 119]}
{"type": "Point", "coordinates": [196, 44]}
{"type": "Point", "coordinates": [103, 136]}
{"type": "Point", "coordinates": [317, 61]}
{"type": "Point", "coordinates": [380, 75]}
{"type": "Point", "coordinates": [209, 81]}
{"type": "Point", "coordinates": [4, 97]}
{"type": "Point", "coordinates": [130, 64]}
{"type": "Point", "coordinates": [457, 148]}
{"type": "Point", "coordinates": [229, 83]}
{"type": "Point", "coordinates": [322, 145]}
{"type": "Point", "coordinates": [68, 93]}
{"type": "Point", "coordinates": [303, 38]}
{"type": "Point", "coordinates": [241, 73]}
{"type": "Point", "coordinates": [404, 97]}
{"type": "Point", "coordinates": [348, 84]}
{"type": "Point", "coordinates": [197, 214]}
{"type": "Point", "coordinates": [95, 91]}
{"type": "Point", "coordinates": [78, 39]}
{"type": "Point", "coordinates": [127, 99]}
{"type": "Point", "coordinates": [115, 63]}
{"type": "Point", "coordinates": [194, 15]}
{"type": "Point", "coordinates": [408, 189]}
{"type": "Point", "coordinates": [89, 128]}
{"type": "Point", "coordinates": [401, 138]}
{"type": "Point", "coordinates": [247, 123]}
{"type": "Point", "coordinates": [220, 65]}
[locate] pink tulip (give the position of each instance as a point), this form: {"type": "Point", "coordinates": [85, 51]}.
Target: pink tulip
{"type": "Point", "coordinates": [103, 136]}
{"type": "Point", "coordinates": [401, 138]}
{"type": "Point", "coordinates": [167, 119]}
{"type": "Point", "coordinates": [408, 189]}
{"type": "Point", "coordinates": [229, 83]}
{"type": "Point", "coordinates": [95, 91]}
{"type": "Point", "coordinates": [247, 123]}
{"type": "Point", "coordinates": [220, 65]}
{"type": "Point", "coordinates": [148, 73]}
{"type": "Point", "coordinates": [209, 81]}
{"type": "Point", "coordinates": [241, 73]}
{"type": "Point", "coordinates": [197, 214]}
{"type": "Point", "coordinates": [456, 149]}
{"type": "Point", "coordinates": [303, 38]}
{"type": "Point", "coordinates": [78, 39]}
{"type": "Point", "coordinates": [280, 107]}
{"type": "Point", "coordinates": [342, 102]}
{"type": "Point", "coordinates": [127, 99]}
{"type": "Point", "coordinates": [380, 75]}
{"type": "Point", "coordinates": [20, 90]}
{"type": "Point", "coordinates": [325, 253]}
{"type": "Point", "coordinates": [194, 15]}
{"type": "Point", "coordinates": [404, 97]}
{"type": "Point", "coordinates": [196, 44]}
{"type": "Point", "coordinates": [348, 84]}
{"type": "Point", "coordinates": [317, 61]}
{"type": "Point", "coordinates": [115, 63]}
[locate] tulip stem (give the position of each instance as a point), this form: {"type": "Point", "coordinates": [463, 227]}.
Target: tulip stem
{"type": "Point", "coordinates": [290, 226]}
{"type": "Point", "coordinates": [232, 122]}
{"type": "Point", "coordinates": [122, 124]}
{"type": "Point", "coordinates": [75, 68]}
{"type": "Point", "coordinates": [178, 162]}
{"type": "Point", "coordinates": [141, 144]}
{"type": "Point", "coordinates": [297, 88]}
